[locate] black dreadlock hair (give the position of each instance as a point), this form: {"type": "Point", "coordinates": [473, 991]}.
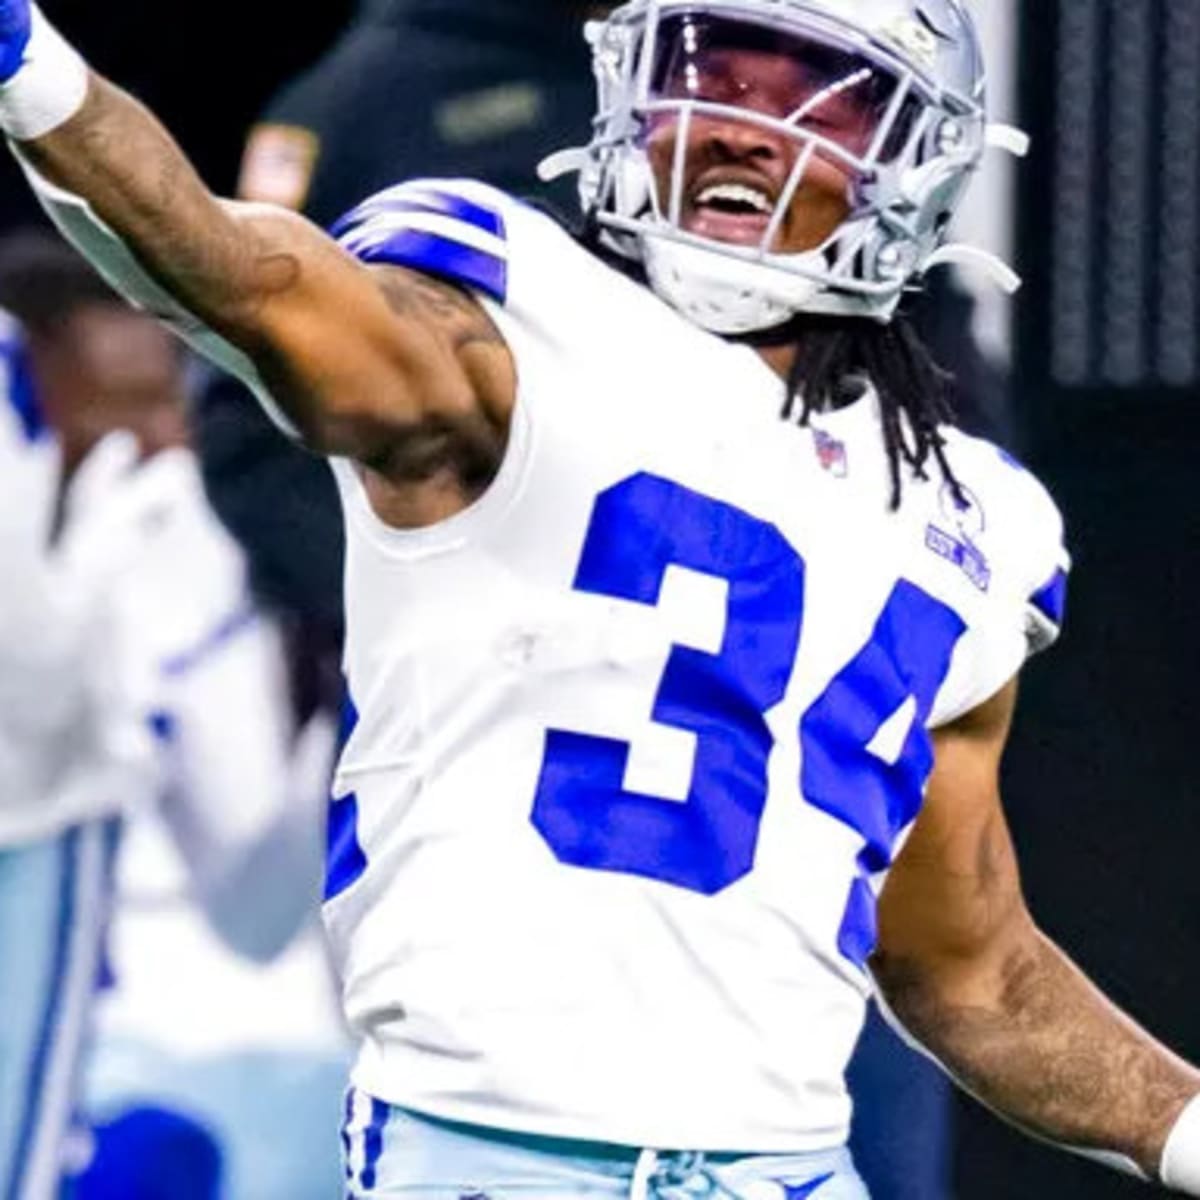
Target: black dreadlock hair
{"type": "Point", "coordinates": [834, 355]}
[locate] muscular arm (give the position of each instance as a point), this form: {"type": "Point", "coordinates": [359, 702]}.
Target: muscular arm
{"type": "Point", "coordinates": [963, 967]}
{"type": "Point", "coordinates": [358, 373]}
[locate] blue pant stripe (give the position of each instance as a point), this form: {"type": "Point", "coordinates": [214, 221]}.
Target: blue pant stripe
{"type": "Point", "coordinates": [58, 975]}
{"type": "Point", "coordinates": [373, 1142]}
{"type": "Point", "coordinates": [347, 1117]}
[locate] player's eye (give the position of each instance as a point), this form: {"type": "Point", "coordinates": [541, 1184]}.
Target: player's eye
{"type": "Point", "coordinates": [714, 86]}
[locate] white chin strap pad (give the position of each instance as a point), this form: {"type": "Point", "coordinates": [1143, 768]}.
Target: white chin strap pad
{"type": "Point", "coordinates": [723, 294]}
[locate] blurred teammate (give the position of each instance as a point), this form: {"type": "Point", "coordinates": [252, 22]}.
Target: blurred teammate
{"type": "Point", "coordinates": [165, 687]}
{"type": "Point", "coordinates": [51, 883]}
{"type": "Point", "coordinates": [489, 86]}
{"type": "Point", "coordinates": [675, 719]}
{"type": "Point", "coordinates": [70, 750]}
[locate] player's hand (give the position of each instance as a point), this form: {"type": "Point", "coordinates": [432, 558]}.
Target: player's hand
{"type": "Point", "coordinates": [15, 24]}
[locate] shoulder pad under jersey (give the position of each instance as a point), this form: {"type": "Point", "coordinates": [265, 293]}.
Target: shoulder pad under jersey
{"type": "Point", "coordinates": [454, 229]}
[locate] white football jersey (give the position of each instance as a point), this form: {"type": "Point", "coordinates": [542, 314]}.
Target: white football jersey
{"type": "Point", "coordinates": [636, 735]}
{"type": "Point", "coordinates": [63, 751]}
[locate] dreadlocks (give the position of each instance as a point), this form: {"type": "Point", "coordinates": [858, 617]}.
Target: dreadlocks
{"type": "Point", "coordinates": [833, 353]}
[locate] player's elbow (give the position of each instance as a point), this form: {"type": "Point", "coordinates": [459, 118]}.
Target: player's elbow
{"type": "Point", "coordinates": [959, 968]}
{"type": "Point", "coordinates": [359, 399]}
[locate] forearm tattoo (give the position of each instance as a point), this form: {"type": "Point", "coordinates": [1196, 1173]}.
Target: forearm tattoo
{"type": "Point", "coordinates": [412, 294]}
{"type": "Point", "coordinates": [116, 153]}
{"type": "Point", "coordinates": [1051, 1054]}
{"type": "Point", "coordinates": [468, 442]}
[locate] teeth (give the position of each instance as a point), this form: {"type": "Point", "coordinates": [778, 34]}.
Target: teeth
{"type": "Point", "coordinates": [736, 193]}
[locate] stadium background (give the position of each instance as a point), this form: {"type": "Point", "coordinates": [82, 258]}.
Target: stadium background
{"type": "Point", "coordinates": [1103, 788]}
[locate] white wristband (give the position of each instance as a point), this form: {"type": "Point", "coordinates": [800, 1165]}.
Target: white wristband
{"type": "Point", "coordinates": [49, 87]}
{"type": "Point", "coordinates": [1180, 1167]}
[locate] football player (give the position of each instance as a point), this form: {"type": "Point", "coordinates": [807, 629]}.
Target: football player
{"type": "Point", "coordinates": [675, 723]}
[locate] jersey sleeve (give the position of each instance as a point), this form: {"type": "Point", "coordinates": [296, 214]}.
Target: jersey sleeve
{"type": "Point", "coordinates": [1046, 607]}
{"type": "Point", "coordinates": [452, 229]}
{"type": "Point", "coordinates": [1024, 608]}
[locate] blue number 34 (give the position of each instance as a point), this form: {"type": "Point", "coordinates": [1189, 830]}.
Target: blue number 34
{"type": "Point", "coordinates": [641, 527]}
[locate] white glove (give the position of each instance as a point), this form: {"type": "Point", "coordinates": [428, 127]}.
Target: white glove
{"type": "Point", "coordinates": [1180, 1167]}
{"type": "Point", "coordinates": [43, 81]}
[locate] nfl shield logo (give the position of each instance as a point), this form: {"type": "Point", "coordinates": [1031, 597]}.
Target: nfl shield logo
{"type": "Point", "coordinates": [831, 453]}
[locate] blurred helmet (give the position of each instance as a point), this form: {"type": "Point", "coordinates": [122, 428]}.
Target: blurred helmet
{"type": "Point", "coordinates": [888, 92]}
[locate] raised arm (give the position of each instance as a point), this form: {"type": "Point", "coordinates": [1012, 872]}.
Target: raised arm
{"type": "Point", "coordinates": [361, 360]}
{"type": "Point", "coordinates": [965, 970]}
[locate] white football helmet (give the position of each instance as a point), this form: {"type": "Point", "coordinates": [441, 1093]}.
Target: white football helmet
{"type": "Point", "coordinates": [889, 94]}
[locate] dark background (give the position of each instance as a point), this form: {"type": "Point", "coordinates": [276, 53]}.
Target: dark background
{"type": "Point", "coordinates": [205, 68]}
{"type": "Point", "coordinates": [1103, 787]}
{"type": "Point", "coordinates": [1102, 782]}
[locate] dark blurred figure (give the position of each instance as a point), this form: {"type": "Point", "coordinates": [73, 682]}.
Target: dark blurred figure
{"type": "Point", "coordinates": [475, 88]}
{"type": "Point", "coordinates": [980, 388]}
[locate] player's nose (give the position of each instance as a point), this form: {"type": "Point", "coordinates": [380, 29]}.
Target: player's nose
{"type": "Point", "coordinates": [727, 139]}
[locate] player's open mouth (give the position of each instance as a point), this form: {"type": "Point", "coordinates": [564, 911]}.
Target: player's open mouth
{"type": "Point", "coordinates": [729, 211]}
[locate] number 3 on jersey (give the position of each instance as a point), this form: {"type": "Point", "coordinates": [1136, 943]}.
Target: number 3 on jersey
{"type": "Point", "coordinates": [641, 527]}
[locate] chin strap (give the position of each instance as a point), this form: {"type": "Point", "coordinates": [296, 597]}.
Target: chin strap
{"type": "Point", "coordinates": [1007, 137]}
{"type": "Point", "coordinates": [960, 254]}
{"type": "Point", "coordinates": [562, 162]}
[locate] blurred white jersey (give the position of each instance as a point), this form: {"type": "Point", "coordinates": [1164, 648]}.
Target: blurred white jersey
{"type": "Point", "coordinates": [68, 750]}
{"type": "Point", "coordinates": [140, 580]}
{"type": "Point", "coordinates": [219, 859]}
{"type": "Point", "coordinates": [639, 732]}
{"type": "Point", "coordinates": [177, 984]}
